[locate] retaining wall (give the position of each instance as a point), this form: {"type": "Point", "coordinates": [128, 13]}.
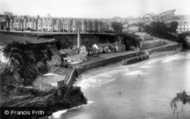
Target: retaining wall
{"type": "Point", "coordinates": [106, 61]}
{"type": "Point", "coordinates": [168, 47]}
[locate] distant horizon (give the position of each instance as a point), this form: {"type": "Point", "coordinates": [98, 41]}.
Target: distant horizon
{"type": "Point", "coordinates": [93, 8]}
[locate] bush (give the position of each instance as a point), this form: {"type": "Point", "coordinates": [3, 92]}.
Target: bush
{"type": "Point", "coordinates": [161, 30]}
{"type": "Point", "coordinates": [27, 61]}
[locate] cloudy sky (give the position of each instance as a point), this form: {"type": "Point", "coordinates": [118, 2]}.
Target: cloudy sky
{"type": "Point", "coordinates": [93, 8]}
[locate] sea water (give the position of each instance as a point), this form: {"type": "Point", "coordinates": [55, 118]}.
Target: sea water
{"type": "Point", "coordinates": [139, 91]}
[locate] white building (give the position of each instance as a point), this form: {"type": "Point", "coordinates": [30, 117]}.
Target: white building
{"type": "Point", "coordinates": [183, 27]}
{"type": "Point", "coordinates": [104, 47]}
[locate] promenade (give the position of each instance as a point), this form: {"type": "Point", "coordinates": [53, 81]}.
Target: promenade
{"type": "Point", "coordinates": [103, 56]}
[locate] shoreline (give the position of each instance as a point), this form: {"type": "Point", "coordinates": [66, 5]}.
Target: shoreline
{"type": "Point", "coordinates": [79, 69]}
{"type": "Point", "coordinates": [153, 55]}
{"type": "Point", "coordinates": [169, 48]}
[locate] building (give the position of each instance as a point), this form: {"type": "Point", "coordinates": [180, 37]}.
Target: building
{"type": "Point", "coordinates": [119, 46]}
{"type": "Point", "coordinates": [64, 25]}
{"type": "Point", "coordinates": [88, 25]}
{"type": "Point", "coordinates": [103, 47]}
{"type": "Point", "coordinates": [50, 24]}
{"type": "Point", "coordinates": [69, 25]}
{"type": "Point", "coordinates": [3, 22]}
{"type": "Point", "coordinates": [83, 25]}
{"type": "Point", "coordinates": [56, 23]}
{"type": "Point", "coordinates": [92, 51]}
{"type": "Point", "coordinates": [83, 50]}
{"type": "Point", "coordinates": [183, 23]}
{"type": "Point", "coordinates": [100, 26]}
{"type": "Point", "coordinates": [131, 28]}
{"type": "Point", "coordinates": [39, 24]}
{"type": "Point", "coordinates": [30, 23]}
{"type": "Point", "coordinates": [17, 23]}
{"type": "Point", "coordinates": [183, 26]}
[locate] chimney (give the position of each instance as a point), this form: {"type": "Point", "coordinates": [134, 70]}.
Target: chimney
{"type": "Point", "coordinates": [78, 39]}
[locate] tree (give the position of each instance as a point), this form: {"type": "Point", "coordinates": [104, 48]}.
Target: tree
{"type": "Point", "coordinates": [117, 26]}
{"type": "Point", "coordinates": [161, 30]}
{"type": "Point", "coordinates": [173, 26]}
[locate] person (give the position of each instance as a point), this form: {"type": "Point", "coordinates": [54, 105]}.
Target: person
{"type": "Point", "coordinates": [119, 92]}
{"type": "Point", "coordinates": [139, 75]}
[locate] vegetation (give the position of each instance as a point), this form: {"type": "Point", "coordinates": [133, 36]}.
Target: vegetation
{"type": "Point", "coordinates": [184, 37]}
{"type": "Point", "coordinates": [161, 30]}
{"type": "Point", "coordinates": [68, 41]}
{"type": "Point", "coordinates": [172, 27]}
{"type": "Point", "coordinates": [26, 62]}
{"type": "Point", "coordinates": [117, 27]}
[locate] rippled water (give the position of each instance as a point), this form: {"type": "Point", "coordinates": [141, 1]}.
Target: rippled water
{"type": "Point", "coordinates": [139, 91]}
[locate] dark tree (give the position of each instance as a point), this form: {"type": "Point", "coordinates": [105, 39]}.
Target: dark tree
{"type": "Point", "coordinates": [173, 26]}
{"type": "Point", "coordinates": [161, 30]}
{"type": "Point", "coordinates": [117, 26]}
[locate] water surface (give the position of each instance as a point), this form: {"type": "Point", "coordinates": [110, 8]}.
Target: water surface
{"type": "Point", "coordinates": [139, 91]}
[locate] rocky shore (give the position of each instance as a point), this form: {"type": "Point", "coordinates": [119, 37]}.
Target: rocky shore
{"type": "Point", "coordinates": [26, 63]}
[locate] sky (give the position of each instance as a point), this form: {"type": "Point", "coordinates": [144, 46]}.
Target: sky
{"type": "Point", "coordinates": [93, 8]}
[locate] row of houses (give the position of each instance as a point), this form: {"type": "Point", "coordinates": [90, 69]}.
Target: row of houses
{"type": "Point", "coordinates": [117, 46]}
{"type": "Point", "coordinates": [50, 24]}
{"type": "Point", "coordinates": [75, 56]}
{"type": "Point", "coordinates": [109, 47]}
